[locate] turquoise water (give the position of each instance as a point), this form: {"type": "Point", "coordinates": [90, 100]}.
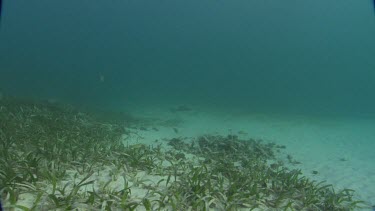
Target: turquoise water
{"type": "Point", "coordinates": [306, 57]}
{"type": "Point", "coordinates": [314, 58]}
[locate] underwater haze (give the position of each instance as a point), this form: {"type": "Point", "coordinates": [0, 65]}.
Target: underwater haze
{"type": "Point", "coordinates": [246, 80]}
{"type": "Point", "coordinates": [309, 57]}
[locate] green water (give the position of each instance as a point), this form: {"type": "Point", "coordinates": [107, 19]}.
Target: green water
{"type": "Point", "coordinates": [310, 58]}
{"type": "Point", "coordinates": [300, 57]}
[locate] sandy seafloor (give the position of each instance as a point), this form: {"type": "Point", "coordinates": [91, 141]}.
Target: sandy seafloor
{"type": "Point", "coordinates": [340, 149]}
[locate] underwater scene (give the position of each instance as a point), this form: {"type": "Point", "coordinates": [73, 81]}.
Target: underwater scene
{"type": "Point", "coordinates": [187, 105]}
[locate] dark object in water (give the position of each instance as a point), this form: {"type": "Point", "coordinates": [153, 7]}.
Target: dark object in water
{"type": "Point", "coordinates": [181, 108]}
{"type": "Point", "coordinates": [175, 130]}
{"type": "Point", "coordinates": [143, 128]}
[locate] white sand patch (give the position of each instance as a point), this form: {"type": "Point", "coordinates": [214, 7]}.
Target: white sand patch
{"type": "Point", "coordinates": [340, 150]}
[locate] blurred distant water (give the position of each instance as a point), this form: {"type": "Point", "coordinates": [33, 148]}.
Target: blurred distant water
{"type": "Point", "coordinates": [312, 57]}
